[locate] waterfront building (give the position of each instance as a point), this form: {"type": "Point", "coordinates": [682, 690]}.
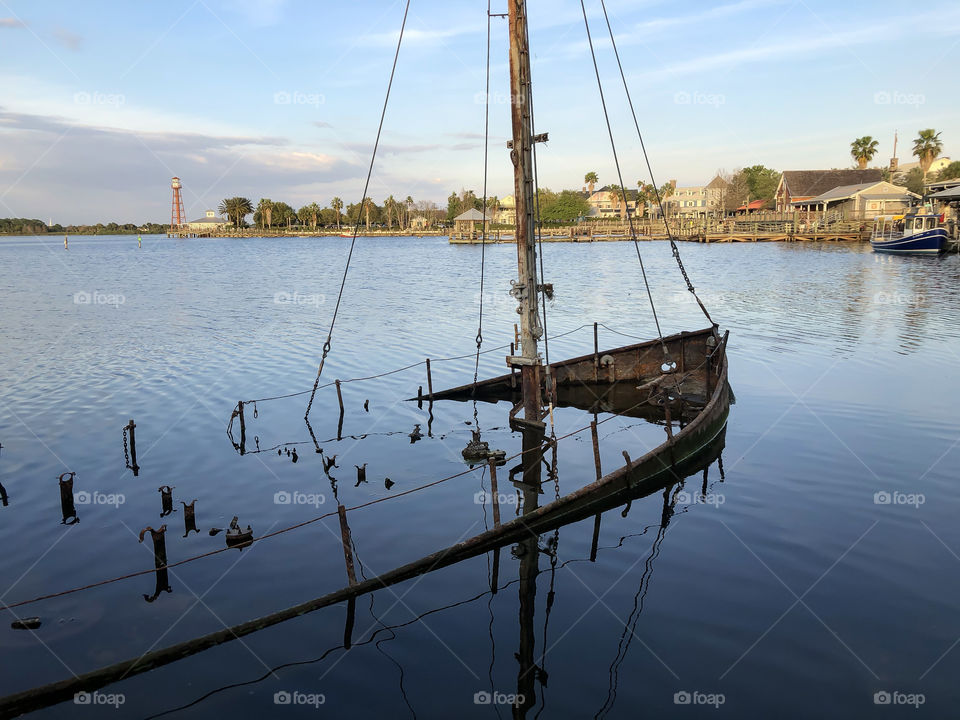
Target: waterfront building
{"type": "Point", "coordinates": [797, 185]}
{"type": "Point", "coordinates": [901, 170]}
{"type": "Point", "coordinates": [604, 203]}
{"type": "Point", "coordinates": [506, 213]}
{"type": "Point", "coordinates": [210, 222]}
{"type": "Point", "coordinates": [863, 201]}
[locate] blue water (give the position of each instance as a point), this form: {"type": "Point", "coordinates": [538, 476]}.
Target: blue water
{"type": "Point", "coordinates": [798, 592]}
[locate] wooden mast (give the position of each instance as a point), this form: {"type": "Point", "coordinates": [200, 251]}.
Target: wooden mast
{"type": "Point", "coordinates": [525, 290]}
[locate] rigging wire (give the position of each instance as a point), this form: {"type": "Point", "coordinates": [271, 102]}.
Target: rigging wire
{"type": "Point", "coordinates": [653, 182]}
{"type": "Point", "coordinates": [623, 189]}
{"type": "Point", "coordinates": [356, 228]}
{"type": "Point", "coordinates": [483, 236]}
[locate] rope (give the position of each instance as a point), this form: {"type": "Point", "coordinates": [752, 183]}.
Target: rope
{"type": "Point", "coordinates": [623, 189]}
{"type": "Point", "coordinates": [356, 227]}
{"type": "Point", "coordinates": [656, 190]}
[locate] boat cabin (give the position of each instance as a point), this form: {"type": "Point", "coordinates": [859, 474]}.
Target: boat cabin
{"type": "Point", "coordinates": [887, 226]}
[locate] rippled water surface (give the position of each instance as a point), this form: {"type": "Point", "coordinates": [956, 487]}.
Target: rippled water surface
{"type": "Point", "coordinates": [824, 569]}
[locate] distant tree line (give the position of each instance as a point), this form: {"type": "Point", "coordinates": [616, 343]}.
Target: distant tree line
{"type": "Point", "coordinates": [271, 214]}
{"type": "Point", "coordinates": [24, 226]}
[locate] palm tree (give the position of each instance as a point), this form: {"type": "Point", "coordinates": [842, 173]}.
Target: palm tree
{"type": "Point", "coordinates": [863, 149]}
{"type": "Point", "coordinates": [926, 148]}
{"type": "Point", "coordinates": [337, 205]}
{"type": "Point", "coordinates": [365, 206]}
{"type": "Point", "coordinates": [591, 180]}
{"type": "Point", "coordinates": [408, 203]}
{"type": "Point", "coordinates": [236, 208]}
{"type": "Point", "coordinates": [390, 206]}
{"type": "Point", "coordinates": [265, 209]}
{"type": "Point", "coordinates": [666, 190]}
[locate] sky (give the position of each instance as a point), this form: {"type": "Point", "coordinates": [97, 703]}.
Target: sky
{"type": "Point", "coordinates": [102, 102]}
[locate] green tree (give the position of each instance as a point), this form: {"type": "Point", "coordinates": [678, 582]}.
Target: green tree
{"type": "Point", "coordinates": [591, 180]}
{"type": "Point", "coordinates": [914, 180]}
{"type": "Point", "coordinates": [236, 209]}
{"type": "Point", "coordinates": [337, 205]}
{"type": "Point", "coordinates": [927, 148]}
{"type": "Point", "coordinates": [762, 181]}
{"type": "Point", "coordinates": [283, 214]}
{"type": "Point", "coordinates": [263, 215]}
{"type": "Point", "coordinates": [565, 206]}
{"type": "Point", "coordinates": [950, 172]}
{"type": "Point", "coordinates": [863, 149]}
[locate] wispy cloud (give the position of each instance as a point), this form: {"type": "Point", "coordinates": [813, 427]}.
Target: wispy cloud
{"type": "Point", "coordinates": [69, 40]}
{"type": "Point", "coordinates": [418, 37]}
{"type": "Point", "coordinates": [809, 44]}
{"type": "Point", "coordinates": [9, 22]}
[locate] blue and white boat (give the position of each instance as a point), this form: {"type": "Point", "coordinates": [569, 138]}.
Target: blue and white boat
{"type": "Point", "coordinates": [919, 234]}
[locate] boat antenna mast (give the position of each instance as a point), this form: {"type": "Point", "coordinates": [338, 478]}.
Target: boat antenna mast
{"type": "Point", "coordinates": [525, 289]}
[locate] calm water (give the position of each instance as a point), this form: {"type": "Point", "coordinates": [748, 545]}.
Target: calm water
{"type": "Point", "coordinates": [797, 591]}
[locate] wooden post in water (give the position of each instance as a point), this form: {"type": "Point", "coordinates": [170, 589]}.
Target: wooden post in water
{"type": "Point", "coordinates": [351, 575]}
{"type": "Point", "coordinates": [429, 382]}
{"type": "Point", "coordinates": [596, 462]}
{"type": "Point", "coordinates": [340, 401]}
{"type": "Point", "coordinates": [132, 428]}
{"type": "Point", "coordinates": [495, 493]}
{"type": "Point", "coordinates": [243, 429]}
{"type": "Point", "coordinates": [596, 354]}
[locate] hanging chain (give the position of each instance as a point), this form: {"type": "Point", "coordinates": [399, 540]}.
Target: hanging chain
{"type": "Point", "coordinates": [126, 452]}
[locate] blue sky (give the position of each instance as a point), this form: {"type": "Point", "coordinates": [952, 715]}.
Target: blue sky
{"type": "Point", "coordinates": [101, 102]}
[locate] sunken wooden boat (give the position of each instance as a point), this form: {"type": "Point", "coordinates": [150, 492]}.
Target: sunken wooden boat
{"type": "Point", "coordinates": [690, 397]}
